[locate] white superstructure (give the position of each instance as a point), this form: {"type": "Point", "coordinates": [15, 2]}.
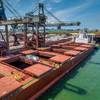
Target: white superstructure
{"type": "Point", "coordinates": [82, 37]}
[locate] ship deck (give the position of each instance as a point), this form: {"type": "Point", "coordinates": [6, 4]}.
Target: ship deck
{"type": "Point", "coordinates": [31, 67]}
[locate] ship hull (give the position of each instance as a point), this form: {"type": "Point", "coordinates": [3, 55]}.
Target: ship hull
{"type": "Point", "coordinates": [41, 85]}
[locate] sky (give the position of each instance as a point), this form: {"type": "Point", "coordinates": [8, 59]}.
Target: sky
{"type": "Point", "coordinates": [85, 11]}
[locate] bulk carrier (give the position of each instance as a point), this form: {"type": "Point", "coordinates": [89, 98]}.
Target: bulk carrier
{"type": "Point", "coordinates": [32, 72]}
{"type": "Point", "coordinates": [28, 72]}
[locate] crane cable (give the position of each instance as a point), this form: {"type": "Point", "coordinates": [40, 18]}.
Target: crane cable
{"type": "Point", "coordinates": [11, 9]}
{"type": "Point", "coordinates": [32, 12]}
{"type": "Point", "coordinates": [53, 15]}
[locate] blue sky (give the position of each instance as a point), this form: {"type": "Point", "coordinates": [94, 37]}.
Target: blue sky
{"type": "Point", "coordinates": [85, 11]}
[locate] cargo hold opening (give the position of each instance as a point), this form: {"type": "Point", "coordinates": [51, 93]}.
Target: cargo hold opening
{"type": "Point", "coordinates": [19, 64]}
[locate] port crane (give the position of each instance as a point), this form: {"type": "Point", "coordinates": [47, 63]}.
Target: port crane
{"type": "Point", "coordinates": [35, 21]}
{"type": "Point", "coordinates": [58, 22]}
